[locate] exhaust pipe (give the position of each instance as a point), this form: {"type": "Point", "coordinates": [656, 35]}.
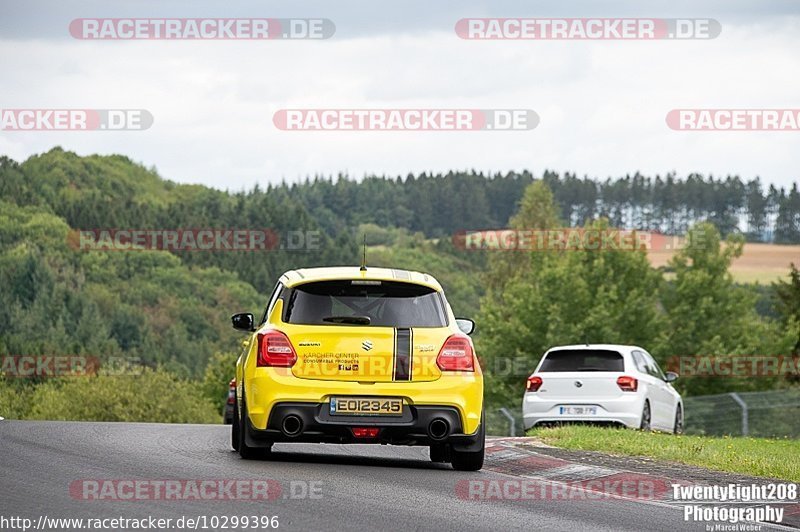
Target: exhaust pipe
{"type": "Point", "coordinates": [292, 425]}
{"type": "Point", "coordinates": [439, 429]}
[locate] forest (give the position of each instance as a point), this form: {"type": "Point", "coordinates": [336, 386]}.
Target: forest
{"type": "Point", "coordinates": [165, 314]}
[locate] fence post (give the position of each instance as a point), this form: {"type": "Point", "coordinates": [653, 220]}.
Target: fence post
{"type": "Point", "coordinates": [512, 421]}
{"type": "Point", "coordinates": [745, 420]}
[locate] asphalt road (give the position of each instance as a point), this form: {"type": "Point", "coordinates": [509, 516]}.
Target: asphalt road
{"type": "Point", "coordinates": [355, 487]}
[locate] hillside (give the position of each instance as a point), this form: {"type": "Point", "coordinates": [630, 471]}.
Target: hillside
{"type": "Point", "coordinates": [169, 309]}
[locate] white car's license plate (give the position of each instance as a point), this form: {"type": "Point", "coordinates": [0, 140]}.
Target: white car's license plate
{"type": "Point", "coordinates": [578, 410]}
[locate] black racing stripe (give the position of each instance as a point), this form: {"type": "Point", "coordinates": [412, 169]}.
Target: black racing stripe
{"type": "Point", "coordinates": [394, 352]}
{"type": "Point", "coordinates": [411, 355]}
{"type": "Point", "coordinates": [402, 355]}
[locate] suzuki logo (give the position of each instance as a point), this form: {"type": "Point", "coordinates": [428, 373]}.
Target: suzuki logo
{"type": "Point", "coordinates": [578, 384]}
{"type": "Point", "coordinates": [367, 345]}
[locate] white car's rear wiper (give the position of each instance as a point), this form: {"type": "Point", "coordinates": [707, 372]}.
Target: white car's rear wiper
{"type": "Point", "coordinates": [355, 320]}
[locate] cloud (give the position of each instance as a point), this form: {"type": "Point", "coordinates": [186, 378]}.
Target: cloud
{"type": "Point", "coordinates": [602, 104]}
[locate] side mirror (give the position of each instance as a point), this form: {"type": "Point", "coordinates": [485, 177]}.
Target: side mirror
{"type": "Point", "coordinates": [466, 325]}
{"type": "Point", "coordinates": [670, 376]}
{"type": "Point", "coordinates": [243, 322]}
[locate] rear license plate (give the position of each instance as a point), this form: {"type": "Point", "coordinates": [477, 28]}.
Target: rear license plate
{"type": "Point", "coordinates": [366, 406]}
{"type": "Point", "coordinates": [578, 410]}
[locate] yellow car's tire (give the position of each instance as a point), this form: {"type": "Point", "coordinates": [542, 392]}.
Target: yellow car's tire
{"type": "Point", "coordinates": [235, 427]}
{"type": "Point", "coordinates": [440, 453]}
{"type": "Point", "coordinates": [470, 460]}
{"type": "Point", "coordinates": [245, 451]}
{"type": "Point", "coordinates": [463, 461]}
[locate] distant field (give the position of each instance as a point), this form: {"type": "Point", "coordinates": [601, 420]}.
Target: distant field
{"type": "Point", "coordinates": [760, 263]}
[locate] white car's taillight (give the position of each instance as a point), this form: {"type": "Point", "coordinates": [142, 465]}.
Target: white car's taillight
{"type": "Point", "coordinates": [627, 384]}
{"type": "Point", "coordinates": [533, 384]}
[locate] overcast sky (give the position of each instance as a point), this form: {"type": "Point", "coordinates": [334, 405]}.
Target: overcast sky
{"type": "Point", "coordinates": [602, 104]}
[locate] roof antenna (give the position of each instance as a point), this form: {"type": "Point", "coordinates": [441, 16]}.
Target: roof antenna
{"type": "Point", "coordinates": [363, 267]}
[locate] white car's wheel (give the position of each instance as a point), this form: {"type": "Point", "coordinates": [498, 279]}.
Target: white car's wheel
{"type": "Point", "coordinates": [678, 428]}
{"type": "Point", "coordinates": [646, 417]}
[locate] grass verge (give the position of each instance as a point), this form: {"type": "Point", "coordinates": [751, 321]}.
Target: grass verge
{"type": "Point", "coordinates": [751, 456]}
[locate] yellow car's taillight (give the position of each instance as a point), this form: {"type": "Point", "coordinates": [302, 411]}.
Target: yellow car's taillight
{"type": "Point", "coordinates": [275, 349]}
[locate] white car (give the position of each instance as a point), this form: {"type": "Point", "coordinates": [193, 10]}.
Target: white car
{"type": "Point", "coordinates": [601, 383]}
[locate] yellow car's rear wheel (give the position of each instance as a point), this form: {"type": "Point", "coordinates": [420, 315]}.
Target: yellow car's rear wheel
{"type": "Point", "coordinates": [235, 426]}
{"type": "Point", "coordinates": [470, 460]}
{"type": "Point", "coordinates": [245, 451]}
{"type": "Point", "coordinates": [440, 453]}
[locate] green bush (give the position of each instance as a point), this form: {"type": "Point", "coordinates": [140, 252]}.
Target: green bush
{"type": "Point", "coordinates": [219, 372]}
{"type": "Point", "coordinates": [152, 396]}
{"type": "Point", "coordinates": [14, 398]}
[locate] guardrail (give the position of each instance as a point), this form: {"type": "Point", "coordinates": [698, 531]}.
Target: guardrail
{"type": "Point", "coordinates": [771, 414]}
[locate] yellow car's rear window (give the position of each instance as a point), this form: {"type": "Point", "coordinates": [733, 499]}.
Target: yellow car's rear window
{"type": "Point", "coordinates": [367, 303]}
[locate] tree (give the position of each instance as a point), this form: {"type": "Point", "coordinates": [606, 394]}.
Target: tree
{"type": "Point", "coordinates": [787, 224]}
{"type": "Point", "coordinates": [708, 315]}
{"type": "Point", "coordinates": [787, 296]}
{"type": "Point", "coordinates": [569, 297]}
{"type": "Point", "coordinates": [536, 211]}
{"type": "Point", "coordinates": [756, 210]}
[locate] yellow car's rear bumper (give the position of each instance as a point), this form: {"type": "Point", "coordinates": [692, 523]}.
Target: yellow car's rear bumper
{"type": "Point", "coordinates": [461, 392]}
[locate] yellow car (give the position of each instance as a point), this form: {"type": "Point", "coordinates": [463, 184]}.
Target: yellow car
{"type": "Point", "coordinates": [359, 355]}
